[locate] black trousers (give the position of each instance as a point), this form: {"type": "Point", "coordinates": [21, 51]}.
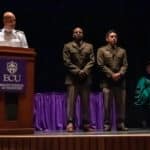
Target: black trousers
{"type": "Point", "coordinates": [119, 95]}
{"type": "Point", "coordinates": [142, 114]}
{"type": "Point", "coordinates": [73, 91]}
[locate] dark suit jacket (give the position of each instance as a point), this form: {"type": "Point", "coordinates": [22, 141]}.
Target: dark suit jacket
{"type": "Point", "coordinates": [76, 59]}
{"type": "Point", "coordinates": [112, 61]}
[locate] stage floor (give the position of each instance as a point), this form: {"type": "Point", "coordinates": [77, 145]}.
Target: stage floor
{"type": "Point", "coordinates": [80, 133]}
{"type": "Point", "coordinates": [134, 139]}
{"type": "Point", "coordinates": [130, 132]}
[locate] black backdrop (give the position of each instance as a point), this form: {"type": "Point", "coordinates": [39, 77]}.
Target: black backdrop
{"type": "Point", "coordinates": [48, 25]}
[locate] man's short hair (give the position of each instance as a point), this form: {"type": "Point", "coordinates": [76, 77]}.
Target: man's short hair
{"type": "Point", "coordinates": [110, 31]}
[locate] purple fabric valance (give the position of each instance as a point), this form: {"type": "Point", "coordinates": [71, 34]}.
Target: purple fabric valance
{"type": "Point", "coordinates": [50, 111]}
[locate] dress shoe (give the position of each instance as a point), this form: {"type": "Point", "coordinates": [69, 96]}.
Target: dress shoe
{"type": "Point", "coordinates": [122, 127]}
{"type": "Point", "coordinates": [87, 128]}
{"type": "Point", "coordinates": [107, 127]}
{"type": "Point", "coordinates": [70, 127]}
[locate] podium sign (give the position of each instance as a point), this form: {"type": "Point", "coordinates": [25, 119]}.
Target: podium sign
{"type": "Point", "coordinates": [12, 75]}
{"type": "Point", "coordinates": [16, 90]}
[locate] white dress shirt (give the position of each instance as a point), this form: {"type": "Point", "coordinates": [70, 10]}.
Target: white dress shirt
{"type": "Point", "coordinates": [15, 38]}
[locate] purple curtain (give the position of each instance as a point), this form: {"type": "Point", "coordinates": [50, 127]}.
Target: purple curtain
{"type": "Point", "coordinates": [50, 111]}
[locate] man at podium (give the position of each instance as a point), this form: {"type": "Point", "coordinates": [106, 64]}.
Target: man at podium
{"type": "Point", "coordinates": [11, 37]}
{"type": "Point", "coordinates": [8, 35]}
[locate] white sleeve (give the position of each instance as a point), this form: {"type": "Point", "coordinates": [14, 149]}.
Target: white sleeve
{"type": "Point", "coordinates": [22, 38]}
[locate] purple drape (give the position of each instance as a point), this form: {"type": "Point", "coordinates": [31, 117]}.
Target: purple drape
{"type": "Point", "coordinates": [50, 111]}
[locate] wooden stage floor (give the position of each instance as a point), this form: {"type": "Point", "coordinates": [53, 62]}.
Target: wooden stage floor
{"type": "Point", "coordinates": [134, 139]}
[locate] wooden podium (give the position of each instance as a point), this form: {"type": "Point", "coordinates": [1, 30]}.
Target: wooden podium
{"type": "Point", "coordinates": [23, 123]}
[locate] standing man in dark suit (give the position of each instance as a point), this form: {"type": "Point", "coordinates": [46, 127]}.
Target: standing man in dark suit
{"type": "Point", "coordinates": [112, 62]}
{"type": "Point", "coordinates": [79, 59]}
